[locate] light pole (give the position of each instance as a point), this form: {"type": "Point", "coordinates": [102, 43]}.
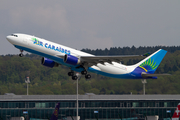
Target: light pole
{"type": "Point", "coordinates": [144, 82]}
{"type": "Point", "coordinates": [79, 77]}
{"type": "Point", "coordinates": [27, 81]}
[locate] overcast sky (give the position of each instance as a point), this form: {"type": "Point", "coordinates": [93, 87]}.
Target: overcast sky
{"type": "Point", "coordinates": [93, 24]}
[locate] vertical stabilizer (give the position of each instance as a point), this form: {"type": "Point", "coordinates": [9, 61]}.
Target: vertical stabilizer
{"type": "Point", "coordinates": [176, 113]}
{"type": "Point", "coordinates": [150, 64]}
{"type": "Point", "coordinates": [55, 113]}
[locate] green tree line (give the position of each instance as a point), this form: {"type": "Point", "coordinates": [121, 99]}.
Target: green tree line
{"type": "Point", "coordinates": [44, 80]}
{"type": "Point", "coordinates": [130, 50]}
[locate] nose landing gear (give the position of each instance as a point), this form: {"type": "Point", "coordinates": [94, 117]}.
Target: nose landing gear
{"type": "Point", "coordinates": [21, 54]}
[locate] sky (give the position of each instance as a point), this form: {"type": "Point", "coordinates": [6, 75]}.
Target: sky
{"type": "Point", "coordinates": [92, 24]}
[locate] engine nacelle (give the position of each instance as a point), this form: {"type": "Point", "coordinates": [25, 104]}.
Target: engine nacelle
{"type": "Point", "coordinates": [70, 59]}
{"type": "Point", "coordinates": [48, 62]}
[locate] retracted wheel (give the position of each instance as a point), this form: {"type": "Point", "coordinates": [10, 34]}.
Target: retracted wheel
{"type": "Point", "coordinates": [88, 76]}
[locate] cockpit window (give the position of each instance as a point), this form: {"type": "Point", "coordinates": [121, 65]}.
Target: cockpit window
{"type": "Point", "coordinates": [14, 35]}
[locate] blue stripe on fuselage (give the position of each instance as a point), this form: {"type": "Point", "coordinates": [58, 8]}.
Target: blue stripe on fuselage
{"type": "Point", "coordinates": [121, 76]}
{"type": "Point", "coordinates": [56, 59]}
{"type": "Point", "coordinates": [60, 61]}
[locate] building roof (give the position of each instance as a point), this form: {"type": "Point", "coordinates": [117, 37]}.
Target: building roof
{"type": "Point", "coordinates": [86, 97]}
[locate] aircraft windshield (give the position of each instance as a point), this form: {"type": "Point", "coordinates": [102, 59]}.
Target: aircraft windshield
{"type": "Point", "coordinates": [14, 35]}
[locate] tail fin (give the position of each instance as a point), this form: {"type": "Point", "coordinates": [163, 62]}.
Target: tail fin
{"type": "Point", "coordinates": [55, 113]}
{"type": "Point", "coordinates": [176, 113]}
{"type": "Point", "coordinates": [150, 64]}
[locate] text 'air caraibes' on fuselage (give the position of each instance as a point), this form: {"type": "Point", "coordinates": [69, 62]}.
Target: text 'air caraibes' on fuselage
{"type": "Point", "coordinates": [50, 46]}
{"type": "Point", "coordinates": [54, 54]}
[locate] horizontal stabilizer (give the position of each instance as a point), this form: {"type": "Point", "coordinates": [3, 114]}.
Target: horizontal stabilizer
{"type": "Point", "coordinates": [145, 75]}
{"type": "Point", "coordinates": [147, 54]}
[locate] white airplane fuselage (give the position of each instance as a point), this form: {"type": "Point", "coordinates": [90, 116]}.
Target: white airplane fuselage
{"type": "Point", "coordinates": [55, 52]}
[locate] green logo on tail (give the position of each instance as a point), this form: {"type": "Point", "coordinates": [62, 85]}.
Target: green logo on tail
{"type": "Point", "coordinates": [148, 65]}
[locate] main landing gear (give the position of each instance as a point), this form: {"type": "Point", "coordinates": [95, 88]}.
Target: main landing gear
{"type": "Point", "coordinates": [21, 54]}
{"type": "Point", "coordinates": [75, 77]}
{"type": "Point", "coordinates": [84, 72]}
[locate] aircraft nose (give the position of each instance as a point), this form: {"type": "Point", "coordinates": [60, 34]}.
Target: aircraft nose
{"type": "Point", "coordinates": [8, 38]}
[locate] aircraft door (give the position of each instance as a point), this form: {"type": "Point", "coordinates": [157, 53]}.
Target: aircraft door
{"type": "Point", "coordinates": [24, 40]}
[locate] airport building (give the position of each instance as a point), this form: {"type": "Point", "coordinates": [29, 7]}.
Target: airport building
{"type": "Point", "coordinates": [103, 107]}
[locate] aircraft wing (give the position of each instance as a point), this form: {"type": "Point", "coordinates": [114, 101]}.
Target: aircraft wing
{"type": "Point", "coordinates": [92, 60]}
{"type": "Point", "coordinates": [102, 59]}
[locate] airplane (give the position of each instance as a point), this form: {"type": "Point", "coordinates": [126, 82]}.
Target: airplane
{"type": "Point", "coordinates": [54, 54]}
{"type": "Point", "coordinates": [55, 113]}
{"type": "Point", "coordinates": [176, 113]}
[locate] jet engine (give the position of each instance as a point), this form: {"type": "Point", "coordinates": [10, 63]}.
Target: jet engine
{"type": "Point", "coordinates": [70, 59]}
{"type": "Point", "coordinates": [48, 62]}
